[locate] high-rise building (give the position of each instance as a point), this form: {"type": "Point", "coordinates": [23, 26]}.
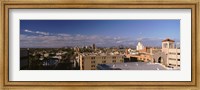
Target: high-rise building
{"type": "Point", "coordinates": [93, 46]}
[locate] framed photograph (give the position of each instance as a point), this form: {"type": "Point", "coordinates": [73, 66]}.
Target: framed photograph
{"type": "Point", "coordinates": [70, 44]}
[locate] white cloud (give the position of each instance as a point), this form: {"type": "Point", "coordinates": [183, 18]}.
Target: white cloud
{"type": "Point", "coordinates": [44, 39]}
{"type": "Point", "coordinates": [36, 32]}
{"type": "Point", "coordinates": [65, 35]}
{"type": "Point", "coordinates": [29, 31]}
{"type": "Point", "coordinates": [42, 33]}
{"type": "Point", "coordinates": [60, 40]}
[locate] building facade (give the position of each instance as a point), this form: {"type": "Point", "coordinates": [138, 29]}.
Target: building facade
{"type": "Point", "coordinates": [174, 58]}
{"type": "Point", "coordinates": [139, 46]}
{"type": "Point", "coordinates": [172, 52]}
{"type": "Point", "coordinates": [169, 55]}
{"type": "Point", "coordinates": [90, 61]}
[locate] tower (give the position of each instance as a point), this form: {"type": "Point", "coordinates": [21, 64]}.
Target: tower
{"type": "Point", "coordinates": [93, 46]}
{"type": "Point", "coordinates": [139, 46]}
{"type": "Point", "coordinates": [167, 44]}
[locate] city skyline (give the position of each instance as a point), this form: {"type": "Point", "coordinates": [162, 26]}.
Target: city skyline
{"type": "Point", "coordinates": [103, 33]}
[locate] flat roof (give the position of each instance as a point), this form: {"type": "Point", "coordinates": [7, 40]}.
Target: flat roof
{"type": "Point", "coordinates": [132, 66]}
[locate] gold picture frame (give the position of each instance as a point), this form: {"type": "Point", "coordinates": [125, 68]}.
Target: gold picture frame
{"type": "Point", "coordinates": [4, 57]}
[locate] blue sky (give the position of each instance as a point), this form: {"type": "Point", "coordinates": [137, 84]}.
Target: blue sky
{"type": "Point", "coordinates": [59, 33]}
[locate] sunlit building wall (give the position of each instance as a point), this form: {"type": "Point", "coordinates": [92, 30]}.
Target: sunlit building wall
{"type": "Point", "coordinates": [172, 52]}
{"type": "Point", "coordinates": [89, 62]}
{"type": "Point", "coordinates": [139, 46]}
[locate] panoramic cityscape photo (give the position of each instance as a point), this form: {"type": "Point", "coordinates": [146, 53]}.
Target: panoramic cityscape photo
{"type": "Point", "coordinates": [100, 45]}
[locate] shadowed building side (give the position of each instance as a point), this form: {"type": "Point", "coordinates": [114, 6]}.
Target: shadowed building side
{"type": "Point", "coordinates": [24, 58]}
{"type": "Point", "coordinates": [160, 57]}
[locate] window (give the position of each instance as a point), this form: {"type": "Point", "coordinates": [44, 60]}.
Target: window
{"type": "Point", "coordinates": [178, 53]}
{"type": "Point", "coordinates": [172, 59]}
{"type": "Point", "coordinates": [171, 45]}
{"type": "Point", "coordinates": [103, 57]}
{"type": "Point", "coordinates": [172, 53]}
{"type": "Point", "coordinates": [103, 61]}
{"type": "Point", "coordinates": [165, 45]}
{"type": "Point", "coordinates": [114, 61]}
{"type": "Point", "coordinates": [92, 61]}
{"type": "Point", "coordinates": [92, 65]}
{"type": "Point", "coordinates": [172, 64]}
{"type": "Point", "coordinates": [92, 57]}
{"type": "Point", "coordinates": [114, 57]}
{"type": "Point", "coordinates": [178, 59]}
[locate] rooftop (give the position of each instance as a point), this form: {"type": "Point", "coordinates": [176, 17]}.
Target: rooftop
{"type": "Point", "coordinates": [131, 66]}
{"type": "Point", "coordinates": [101, 54]}
{"type": "Point", "coordinates": [169, 40]}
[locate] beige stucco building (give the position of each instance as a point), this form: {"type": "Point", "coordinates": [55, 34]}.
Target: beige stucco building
{"type": "Point", "coordinates": [90, 61]}
{"type": "Point", "coordinates": [139, 46]}
{"type": "Point", "coordinates": [174, 58]}
{"type": "Point", "coordinates": [170, 55]}
{"type": "Point", "coordinates": [172, 52]}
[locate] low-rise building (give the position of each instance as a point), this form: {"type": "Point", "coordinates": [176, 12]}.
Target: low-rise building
{"type": "Point", "coordinates": [146, 57]}
{"type": "Point", "coordinates": [174, 58]}
{"type": "Point", "coordinates": [169, 56]}
{"type": "Point", "coordinates": [172, 52]}
{"type": "Point", "coordinates": [90, 61]}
